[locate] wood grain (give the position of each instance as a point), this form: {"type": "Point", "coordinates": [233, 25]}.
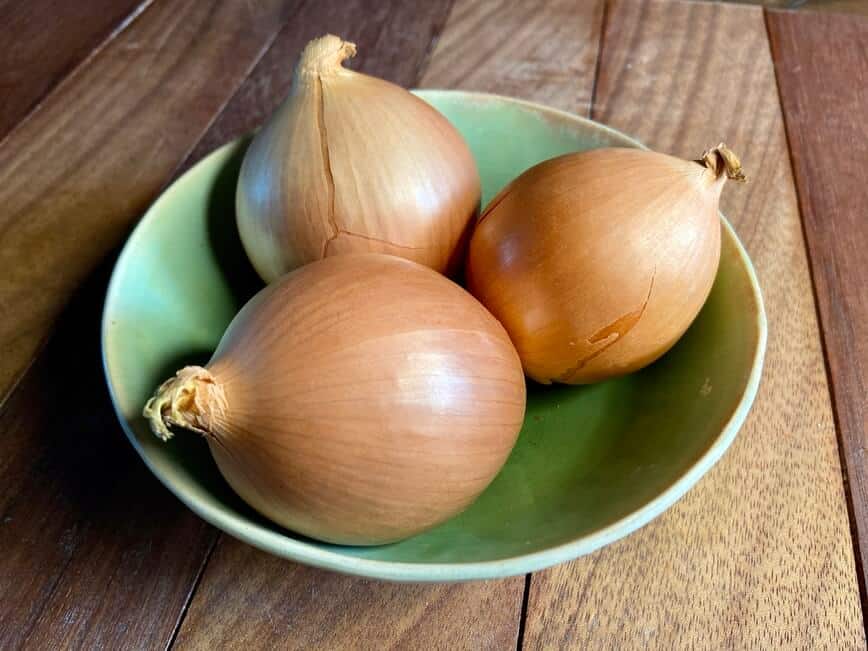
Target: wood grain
{"type": "Point", "coordinates": [541, 51]}
{"type": "Point", "coordinates": [257, 601]}
{"type": "Point", "coordinates": [76, 174]}
{"type": "Point", "coordinates": [43, 40]}
{"type": "Point", "coordinates": [841, 6]}
{"type": "Point", "coordinates": [393, 38]}
{"type": "Point", "coordinates": [96, 554]}
{"type": "Point", "coordinates": [758, 554]}
{"type": "Point", "coordinates": [824, 94]}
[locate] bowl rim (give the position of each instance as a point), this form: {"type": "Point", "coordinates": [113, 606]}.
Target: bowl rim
{"type": "Point", "coordinates": [301, 551]}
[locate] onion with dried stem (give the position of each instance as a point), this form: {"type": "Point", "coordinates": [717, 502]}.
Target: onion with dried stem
{"type": "Point", "coordinates": [350, 163]}
{"type": "Point", "coordinates": [359, 400]}
{"type": "Point", "coordinates": [597, 262]}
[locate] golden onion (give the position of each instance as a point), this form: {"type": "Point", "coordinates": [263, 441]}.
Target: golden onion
{"type": "Point", "coordinates": [360, 399]}
{"type": "Point", "coordinates": [597, 262]}
{"type": "Point", "coordinates": [350, 163]}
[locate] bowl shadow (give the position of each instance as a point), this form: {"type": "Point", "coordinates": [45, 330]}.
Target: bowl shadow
{"type": "Point", "coordinates": [238, 273]}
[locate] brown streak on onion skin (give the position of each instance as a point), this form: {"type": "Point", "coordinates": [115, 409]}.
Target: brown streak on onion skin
{"type": "Point", "coordinates": [610, 334]}
{"type": "Point", "coordinates": [327, 163]}
{"type": "Point", "coordinates": [385, 243]}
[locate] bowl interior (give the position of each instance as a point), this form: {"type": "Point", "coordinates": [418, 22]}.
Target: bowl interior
{"type": "Point", "coordinates": [591, 464]}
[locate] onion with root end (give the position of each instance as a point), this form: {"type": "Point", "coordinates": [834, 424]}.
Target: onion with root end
{"type": "Point", "coordinates": [350, 163]}
{"type": "Point", "coordinates": [597, 262]}
{"type": "Point", "coordinates": [358, 400]}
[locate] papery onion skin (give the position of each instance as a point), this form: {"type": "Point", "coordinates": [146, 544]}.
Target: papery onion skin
{"type": "Point", "coordinates": [597, 262]}
{"type": "Point", "coordinates": [351, 163]}
{"type": "Point", "coordinates": [358, 400]}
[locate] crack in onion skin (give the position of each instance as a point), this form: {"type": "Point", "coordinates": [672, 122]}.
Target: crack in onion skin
{"type": "Point", "coordinates": [622, 241]}
{"type": "Point", "coordinates": [362, 399]}
{"type": "Point", "coordinates": [350, 163]}
{"type": "Point", "coordinates": [608, 335]}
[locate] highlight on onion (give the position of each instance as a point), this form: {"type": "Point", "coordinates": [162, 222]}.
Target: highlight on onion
{"type": "Point", "coordinates": [597, 262]}
{"type": "Point", "coordinates": [350, 163]}
{"type": "Point", "coordinates": [359, 400]}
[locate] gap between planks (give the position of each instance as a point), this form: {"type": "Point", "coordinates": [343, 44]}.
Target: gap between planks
{"type": "Point", "coordinates": [185, 608]}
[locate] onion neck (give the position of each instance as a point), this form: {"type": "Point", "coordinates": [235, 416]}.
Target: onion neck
{"type": "Point", "coordinates": [324, 56]}
{"type": "Point", "coordinates": [191, 399]}
{"type": "Point", "coordinates": [722, 163]}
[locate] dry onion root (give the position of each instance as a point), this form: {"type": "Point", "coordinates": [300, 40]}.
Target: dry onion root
{"type": "Point", "coordinates": [350, 163]}
{"type": "Point", "coordinates": [596, 263]}
{"type": "Point", "coordinates": [358, 400]}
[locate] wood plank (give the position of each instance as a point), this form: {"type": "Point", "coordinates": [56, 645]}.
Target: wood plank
{"type": "Point", "coordinates": [43, 40]}
{"type": "Point", "coordinates": [758, 554]}
{"type": "Point", "coordinates": [75, 176]}
{"type": "Point", "coordinates": [545, 52]}
{"type": "Point", "coordinates": [824, 94]}
{"type": "Point", "coordinates": [257, 601]}
{"type": "Point", "coordinates": [96, 554]}
{"type": "Point", "coordinates": [840, 6]}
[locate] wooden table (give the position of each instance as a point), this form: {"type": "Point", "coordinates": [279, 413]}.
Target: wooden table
{"type": "Point", "coordinates": [103, 103]}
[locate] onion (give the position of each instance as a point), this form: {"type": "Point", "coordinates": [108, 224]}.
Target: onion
{"type": "Point", "coordinates": [360, 399]}
{"type": "Point", "coordinates": [351, 163]}
{"type": "Point", "coordinates": [597, 262]}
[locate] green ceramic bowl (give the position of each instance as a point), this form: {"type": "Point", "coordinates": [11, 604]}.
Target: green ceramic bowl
{"type": "Point", "coordinates": [592, 463]}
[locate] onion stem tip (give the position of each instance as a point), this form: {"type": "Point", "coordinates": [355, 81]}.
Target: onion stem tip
{"type": "Point", "coordinates": [722, 160]}
{"type": "Point", "coordinates": [184, 400]}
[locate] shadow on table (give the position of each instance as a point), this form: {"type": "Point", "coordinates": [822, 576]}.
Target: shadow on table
{"type": "Point", "coordinates": [83, 523]}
